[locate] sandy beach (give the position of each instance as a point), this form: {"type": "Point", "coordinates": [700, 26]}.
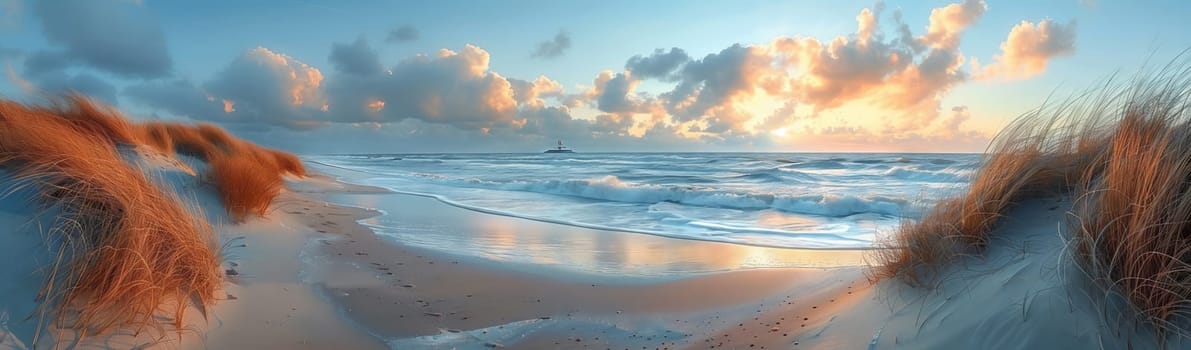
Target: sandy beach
{"type": "Point", "coordinates": [418, 297]}
{"type": "Point", "coordinates": [767, 174]}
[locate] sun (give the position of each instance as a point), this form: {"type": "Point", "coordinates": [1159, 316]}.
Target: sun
{"type": "Point", "coordinates": [780, 132]}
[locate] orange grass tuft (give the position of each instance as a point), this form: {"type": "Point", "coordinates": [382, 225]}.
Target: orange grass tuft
{"type": "Point", "coordinates": [1124, 154]}
{"type": "Point", "coordinates": [186, 140]}
{"type": "Point", "coordinates": [246, 185]}
{"type": "Point", "coordinates": [157, 136]}
{"type": "Point", "coordinates": [95, 118]}
{"type": "Point", "coordinates": [228, 156]}
{"type": "Point", "coordinates": [288, 163]}
{"type": "Point", "coordinates": [126, 246]}
{"type": "Point", "coordinates": [1133, 221]}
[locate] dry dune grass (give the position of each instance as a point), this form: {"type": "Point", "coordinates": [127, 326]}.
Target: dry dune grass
{"type": "Point", "coordinates": [288, 163]}
{"type": "Point", "coordinates": [1123, 152]}
{"type": "Point", "coordinates": [243, 187]}
{"type": "Point", "coordinates": [1133, 222]}
{"type": "Point", "coordinates": [182, 139]}
{"type": "Point", "coordinates": [246, 175]}
{"type": "Point", "coordinates": [95, 118]}
{"type": "Point", "coordinates": [126, 247]}
{"type": "Point", "coordinates": [1026, 160]}
{"type": "Point", "coordinates": [157, 136]}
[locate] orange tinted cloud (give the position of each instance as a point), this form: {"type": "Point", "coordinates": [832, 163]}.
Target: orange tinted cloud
{"type": "Point", "coordinates": [866, 23]}
{"type": "Point", "coordinates": [720, 93]}
{"type": "Point", "coordinates": [301, 80]}
{"type": "Point", "coordinates": [946, 23]}
{"type": "Point", "coordinates": [1028, 49]}
{"type": "Point", "coordinates": [894, 75]}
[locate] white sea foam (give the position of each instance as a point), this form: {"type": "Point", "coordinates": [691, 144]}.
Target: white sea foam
{"type": "Point", "coordinates": [823, 201]}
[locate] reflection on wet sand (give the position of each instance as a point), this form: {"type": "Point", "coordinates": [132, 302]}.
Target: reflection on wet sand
{"type": "Point", "coordinates": [427, 223]}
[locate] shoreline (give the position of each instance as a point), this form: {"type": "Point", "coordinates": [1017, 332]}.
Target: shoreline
{"type": "Point", "coordinates": [419, 296]}
{"type": "Point", "coordinates": [442, 200]}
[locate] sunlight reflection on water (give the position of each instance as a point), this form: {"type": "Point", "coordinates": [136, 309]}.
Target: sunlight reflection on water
{"type": "Point", "coordinates": [427, 223]}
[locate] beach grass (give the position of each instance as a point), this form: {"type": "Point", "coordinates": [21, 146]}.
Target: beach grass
{"type": "Point", "coordinates": [1122, 151]}
{"type": "Point", "coordinates": [126, 246]}
{"type": "Point", "coordinates": [246, 185]}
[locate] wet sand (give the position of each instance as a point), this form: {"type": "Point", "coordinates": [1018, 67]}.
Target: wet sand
{"type": "Point", "coordinates": [416, 296]}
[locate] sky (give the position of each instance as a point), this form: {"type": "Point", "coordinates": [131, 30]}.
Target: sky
{"type": "Point", "coordinates": [366, 76]}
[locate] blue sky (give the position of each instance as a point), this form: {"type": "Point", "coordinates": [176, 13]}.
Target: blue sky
{"type": "Point", "coordinates": [320, 76]}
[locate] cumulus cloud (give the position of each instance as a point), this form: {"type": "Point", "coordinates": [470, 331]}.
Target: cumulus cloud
{"type": "Point", "coordinates": [531, 92]}
{"type": "Point", "coordinates": [733, 96]}
{"type": "Point", "coordinates": [616, 96]}
{"type": "Point", "coordinates": [659, 65]}
{"type": "Point", "coordinates": [906, 73]}
{"type": "Point", "coordinates": [450, 87]}
{"type": "Point", "coordinates": [554, 47]}
{"type": "Point", "coordinates": [266, 87]}
{"type": "Point", "coordinates": [258, 87]}
{"type": "Point", "coordinates": [269, 86]}
{"type": "Point", "coordinates": [356, 58]}
{"type": "Point", "coordinates": [840, 71]}
{"type": "Point", "coordinates": [719, 80]}
{"type": "Point", "coordinates": [1029, 47]}
{"type": "Point", "coordinates": [946, 23]}
{"type": "Point", "coordinates": [402, 34]}
{"type": "Point", "coordinates": [554, 122]}
{"type": "Point", "coordinates": [610, 92]}
{"type": "Point", "coordinates": [867, 22]}
{"type": "Point", "coordinates": [110, 35]}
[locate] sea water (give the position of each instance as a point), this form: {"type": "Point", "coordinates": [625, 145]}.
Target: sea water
{"type": "Point", "coordinates": [792, 200]}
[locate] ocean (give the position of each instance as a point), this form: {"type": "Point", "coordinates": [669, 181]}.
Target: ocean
{"type": "Point", "coordinates": [787, 200]}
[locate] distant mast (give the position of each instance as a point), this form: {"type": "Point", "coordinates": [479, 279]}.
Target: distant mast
{"type": "Point", "coordinates": [560, 149]}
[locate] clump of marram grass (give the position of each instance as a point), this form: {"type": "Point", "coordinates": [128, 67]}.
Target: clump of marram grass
{"type": "Point", "coordinates": [246, 185]}
{"type": "Point", "coordinates": [288, 162]}
{"type": "Point", "coordinates": [1123, 152]}
{"type": "Point", "coordinates": [1036, 155]}
{"type": "Point", "coordinates": [156, 136]}
{"type": "Point", "coordinates": [1132, 226]}
{"type": "Point", "coordinates": [247, 176]}
{"type": "Point", "coordinates": [96, 119]}
{"type": "Point", "coordinates": [124, 245]}
{"type": "Point", "coordinates": [184, 139]}
{"type": "Point", "coordinates": [262, 168]}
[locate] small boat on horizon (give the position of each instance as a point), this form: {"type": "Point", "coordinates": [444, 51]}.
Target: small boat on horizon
{"type": "Point", "coordinates": [559, 149]}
